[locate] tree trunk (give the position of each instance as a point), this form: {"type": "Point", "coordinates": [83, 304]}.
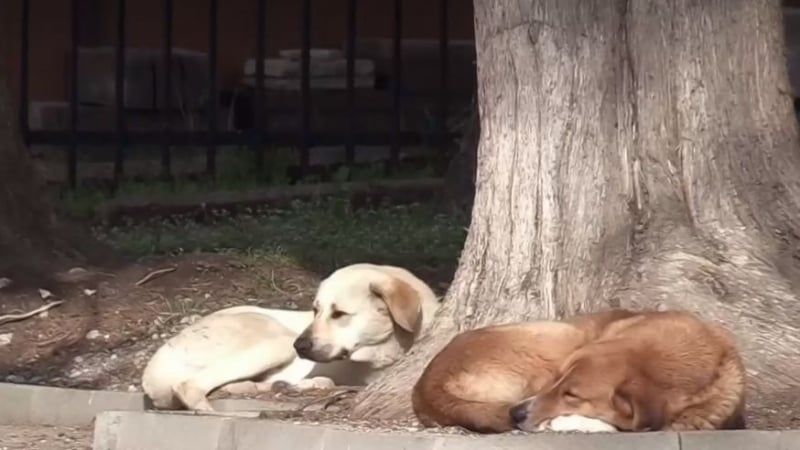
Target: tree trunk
{"type": "Point", "coordinates": [636, 153]}
{"type": "Point", "coordinates": [458, 190]}
{"type": "Point", "coordinates": [32, 243]}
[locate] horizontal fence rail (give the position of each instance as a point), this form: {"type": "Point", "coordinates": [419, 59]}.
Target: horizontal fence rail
{"type": "Point", "coordinates": [257, 137]}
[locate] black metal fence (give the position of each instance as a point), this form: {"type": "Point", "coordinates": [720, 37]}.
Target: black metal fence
{"type": "Point", "coordinates": [257, 137]}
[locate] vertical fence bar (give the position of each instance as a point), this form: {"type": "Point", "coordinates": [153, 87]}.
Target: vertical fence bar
{"type": "Point", "coordinates": [166, 157]}
{"type": "Point", "coordinates": [72, 155]}
{"type": "Point", "coordinates": [350, 149]}
{"type": "Point", "coordinates": [119, 90]}
{"type": "Point", "coordinates": [259, 113]}
{"type": "Point", "coordinates": [211, 151]}
{"type": "Point", "coordinates": [397, 82]}
{"type": "Point", "coordinates": [305, 88]}
{"type": "Point", "coordinates": [23, 70]}
{"type": "Point", "coordinates": [444, 58]}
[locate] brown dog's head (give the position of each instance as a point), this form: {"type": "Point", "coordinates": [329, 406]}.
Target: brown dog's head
{"type": "Point", "coordinates": [599, 381]}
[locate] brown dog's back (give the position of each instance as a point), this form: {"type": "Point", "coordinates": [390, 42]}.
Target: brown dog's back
{"type": "Point", "coordinates": [695, 365]}
{"type": "Point", "coordinates": [475, 379]}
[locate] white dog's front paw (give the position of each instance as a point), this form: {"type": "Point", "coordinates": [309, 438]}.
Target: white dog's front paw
{"type": "Point", "coordinates": [307, 384]}
{"type": "Point", "coordinates": [192, 397]}
{"type": "Point", "coordinates": [574, 422]}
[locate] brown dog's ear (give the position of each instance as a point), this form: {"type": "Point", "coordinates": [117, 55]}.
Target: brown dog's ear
{"type": "Point", "coordinates": [637, 401]}
{"type": "Point", "coordinates": [403, 302]}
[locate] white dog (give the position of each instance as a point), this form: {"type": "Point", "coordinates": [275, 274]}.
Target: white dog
{"type": "Point", "coordinates": [365, 318]}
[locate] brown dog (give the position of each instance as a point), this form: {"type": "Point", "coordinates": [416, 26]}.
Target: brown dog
{"type": "Point", "coordinates": [655, 371]}
{"type": "Point", "coordinates": [481, 373]}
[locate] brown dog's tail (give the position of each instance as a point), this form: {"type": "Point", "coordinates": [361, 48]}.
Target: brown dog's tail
{"type": "Point", "coordinates": [434, 405]}
{"type": "Point", "coordinates": [723, 402]}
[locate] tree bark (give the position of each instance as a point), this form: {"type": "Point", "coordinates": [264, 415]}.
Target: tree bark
{"type": "Point", "coordinates": [635, 153]}
{"type": "Point", "coordinates": [32, 243]}
{"type": "Point", "coordinates": [458, 191]}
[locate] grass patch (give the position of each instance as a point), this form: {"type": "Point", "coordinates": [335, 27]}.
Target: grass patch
{"type": "Point", "coordinates": [325, 233]}
{"type": "Point", "coordinates": [85, 198]}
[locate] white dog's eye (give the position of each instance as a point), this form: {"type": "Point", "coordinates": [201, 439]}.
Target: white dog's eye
{"type": "Point", "coordinates": [315, 310]}
{"type": "Point", "coordinates": [336, 314]}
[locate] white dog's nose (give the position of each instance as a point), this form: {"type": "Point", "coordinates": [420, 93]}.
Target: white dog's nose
{"type": "Point", "coordinates": [302, 345]}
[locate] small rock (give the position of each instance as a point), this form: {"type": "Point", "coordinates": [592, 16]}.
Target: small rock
{"type": "Point", "coordinates": [164, 335]}
{"type": "Point", "coordinates": [45, 294]}
{"type": "Point", "coordinates": [132, 388]}
{"type": "Point", "coordinates": [44, 314]}
{"type": "Point", "coordinates": [113, 356]}
{"type": "Point", "coordinates": [206, 296]}
{"type": "Point", "coordinates": [93, 334]}
{"type": "Point", "coordinates": [188, 320]}
{"type": "Point", "coordinates": [5, 338]}
{"type": "Point", "coordinates": [154, 336]}
{"type": "Point", "coordinates": [90, 292]}
{"type": "Point", "coordinates": [5, 282]}
{"type": "Point", "coordinates": [78, 359]}
{"type": "Point", "coordinates": [15, 379]}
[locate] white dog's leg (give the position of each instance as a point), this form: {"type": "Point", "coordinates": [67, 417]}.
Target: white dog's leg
{"type": "Point", "coordinates": [240, 365]}
{"type": "Point", "coordinates": [307, 384]}
{"type": "Point", "coordinates": [293, 373]}
{"type": "Point", "coordinates": [247, 387]}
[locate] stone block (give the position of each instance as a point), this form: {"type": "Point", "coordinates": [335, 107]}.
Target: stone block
{"type": "Point", "coordinates": [731, 440]}
{"type": "Point", "coordinates": [172, 431]}
{"type": "Point", "coordinates": [316, 83]}
{"type": "Point", "coordinates": [162, 431]}
{"type": "Point", "coordinates": [42, 405]}
{"type": "Point", "coordinates": [291, 68]}
{"type": "Point", "coordinates": [316, 53]}
{"type": "Point", "coordinates": [144, 78]}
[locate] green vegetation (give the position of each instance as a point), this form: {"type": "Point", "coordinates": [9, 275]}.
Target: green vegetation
{"type": "Point", "coordinates": [326, 233]}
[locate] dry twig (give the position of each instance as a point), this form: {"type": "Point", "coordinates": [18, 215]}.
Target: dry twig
{"type": "Point", "coordinates": [155, 274]}
{"type": "Point", "coordinates": [17, 317]}
{"type": "Point", "coordinates": [328, 400]}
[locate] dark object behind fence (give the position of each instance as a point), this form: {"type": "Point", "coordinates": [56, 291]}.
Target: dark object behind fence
{"type": "Point", "coordinates": [259, 135]}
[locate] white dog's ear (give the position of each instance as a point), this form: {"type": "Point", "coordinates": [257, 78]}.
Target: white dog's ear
{"type": "Point", "coordinates": [403, 302]}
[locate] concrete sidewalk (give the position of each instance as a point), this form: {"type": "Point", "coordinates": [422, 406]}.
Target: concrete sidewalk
{"type": "Point", "coordinates": [183, 431]}
{"type": "Point", "coordinates": [22, 404]}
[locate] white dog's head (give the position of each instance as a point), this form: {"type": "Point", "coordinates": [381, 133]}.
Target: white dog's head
{"type": "Point", "coordinates": [361, 313]}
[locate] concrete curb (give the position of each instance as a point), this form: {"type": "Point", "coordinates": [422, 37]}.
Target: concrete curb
{"type": "Point", "coordinates": [42, 405]}
{"type": "Point", "coordinates": [125, 430]}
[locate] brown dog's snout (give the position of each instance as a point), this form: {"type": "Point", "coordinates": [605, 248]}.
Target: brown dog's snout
{"type": "Point", "coordinates": [519, 412]}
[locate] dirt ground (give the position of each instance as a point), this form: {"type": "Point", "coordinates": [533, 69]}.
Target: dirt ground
{"type": "Point", "coordinates": [45, 438]}
{"type": "Point", "coordinates": [110, 322]}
